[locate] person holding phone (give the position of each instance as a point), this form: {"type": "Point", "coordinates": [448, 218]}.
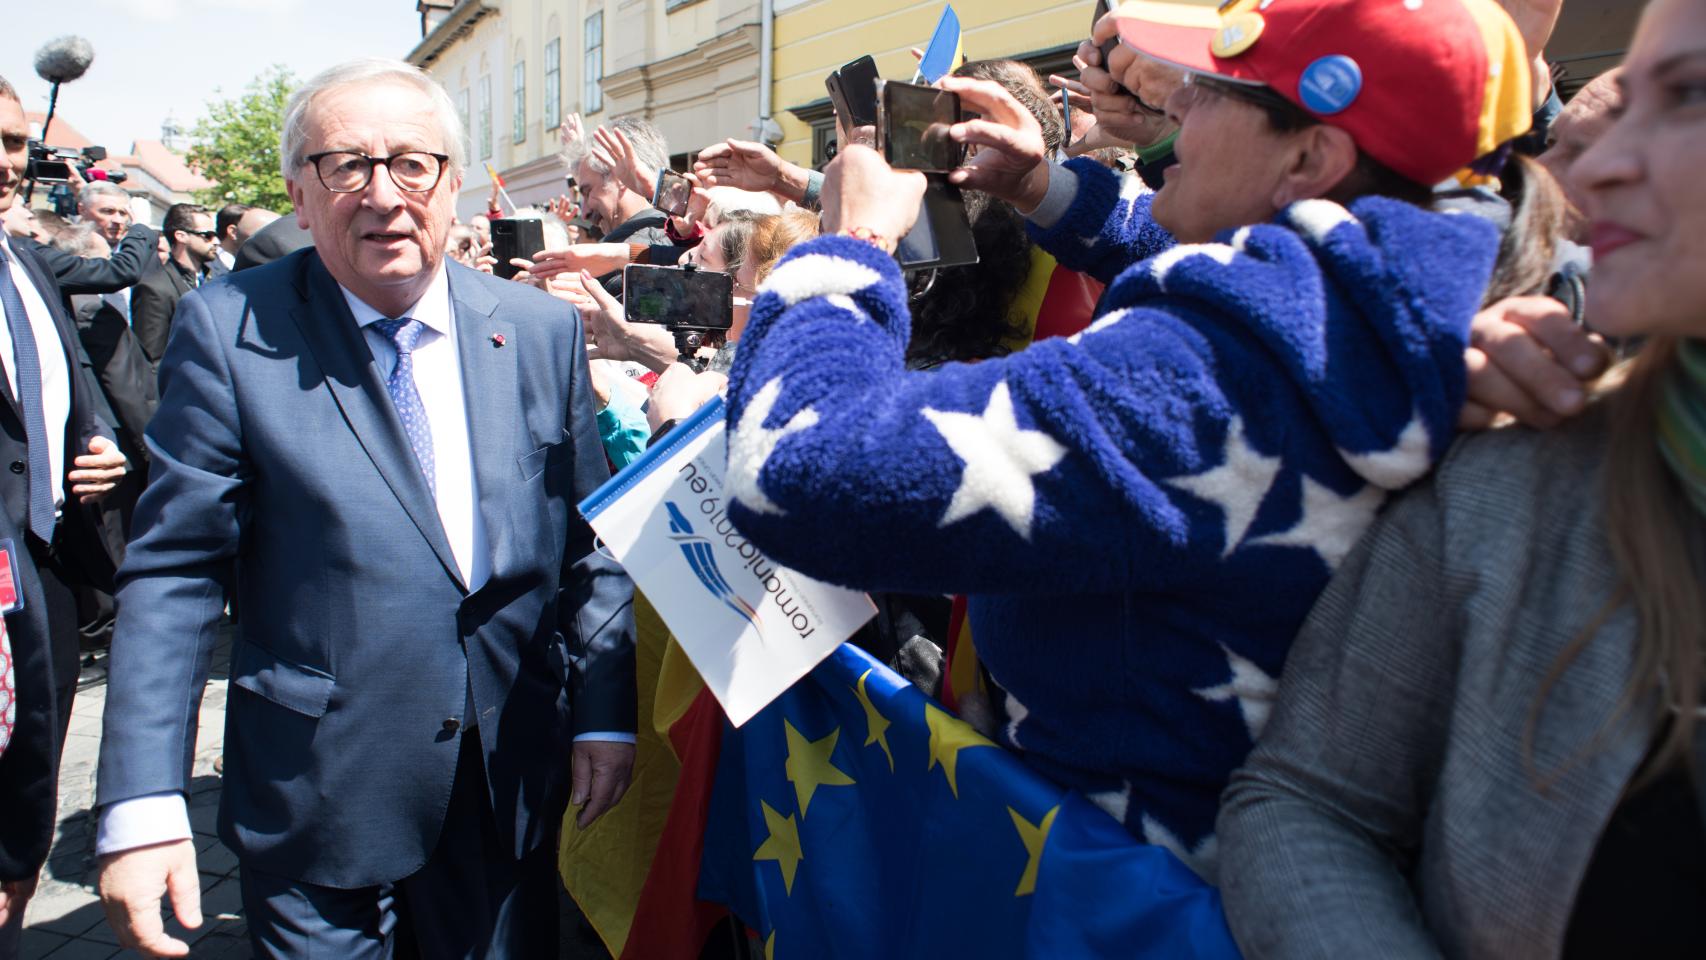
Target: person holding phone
{"type": "Point", "coordinates": [1143, 514]}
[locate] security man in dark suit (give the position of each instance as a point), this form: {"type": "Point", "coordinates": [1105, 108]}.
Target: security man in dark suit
{"type": "Point", "coordinates": [59, 457]}
{"type": "Point", "coordinates": [192, 261]}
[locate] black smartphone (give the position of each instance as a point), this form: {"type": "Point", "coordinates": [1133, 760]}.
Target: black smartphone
{"type": "Point", "coordinates": [942, 235]}
{"type": "Point", "coordinates": [678, 297]}
{"type": "Point", "coordinates": [515, 239]}
{"type": "Point", "coordinates": [853, 90]}
{"type": "Point", "coordinates": [672, 193]}
{"type": "Point", "coordinates": [912, 127]}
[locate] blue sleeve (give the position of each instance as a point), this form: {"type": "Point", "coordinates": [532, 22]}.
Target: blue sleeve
{"type": "Point", "coordinates": [622, 427]}
{"type": "Point", "coordinates": [1001, 476]}
{"type": "Point", "coordinates": [178, 568]}
{"type": "Point", "coordinates": [1107, 228]}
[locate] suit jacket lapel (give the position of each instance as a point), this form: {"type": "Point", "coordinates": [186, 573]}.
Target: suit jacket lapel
{"type": "Point", "coordinates": [491, 389]}
{"type": "Point", "coordinates": [330, 331]}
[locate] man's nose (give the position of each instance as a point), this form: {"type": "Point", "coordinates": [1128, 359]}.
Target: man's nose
{"type": "Point", "coordinates": [382, 191]}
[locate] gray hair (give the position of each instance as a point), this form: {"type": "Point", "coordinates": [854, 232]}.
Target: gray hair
{"type": "Point", "coordinates": [76, 240]}
{"type": "Point", "coordinates": [293, 147]}
{"type": "Point", "coordinates": [100, 188]}
{"type": "Point", "coordinates": [649, 144]}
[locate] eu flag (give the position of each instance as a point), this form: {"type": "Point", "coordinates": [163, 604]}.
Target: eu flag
{"type": "Point", "coordinates": [855, 817]}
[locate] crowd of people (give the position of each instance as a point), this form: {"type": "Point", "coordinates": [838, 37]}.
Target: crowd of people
{"type": "Point", "coordinates": [1316, 450]}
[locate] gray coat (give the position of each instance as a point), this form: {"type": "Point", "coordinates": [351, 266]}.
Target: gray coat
{"type": "Point", "coordinates": [1391, 809]}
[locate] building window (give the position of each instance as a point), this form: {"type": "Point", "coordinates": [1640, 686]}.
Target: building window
{"type": "Point", "coordinates": [594, 62]}
{"type": "Point", "coordinates": [519, 134]}
{"type": "Point", "coordinates": [553, 84]}
{"type": "Point", "coordinates": [486, 117]}
{"type": "Point", "coordinates": [463, 116]}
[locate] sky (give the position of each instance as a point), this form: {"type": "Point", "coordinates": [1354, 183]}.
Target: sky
{"type": "Point", "coordinates": [160, 57]}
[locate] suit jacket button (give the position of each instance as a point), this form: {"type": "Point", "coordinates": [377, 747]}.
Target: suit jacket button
{"type": "Point", "coordinates": [451, 725]}
{"type": "Point", "coordinates": [18, 466]}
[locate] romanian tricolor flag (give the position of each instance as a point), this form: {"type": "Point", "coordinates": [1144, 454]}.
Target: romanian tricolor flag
{"type": "Point", "coordinates": [946, 52]}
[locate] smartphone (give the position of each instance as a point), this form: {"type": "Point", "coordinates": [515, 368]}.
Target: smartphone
{"type": "Point", "coordinates": [912, 127]}
{"type": "Point", "coordinates": [853, 90]}
{"type": "Point", "coordinates": [942, 235]}
{"type": "Point", "coordinates": [672, 193]}
{"type": "Point", "coordinates": [513, 239]}
{"type": "Point", "coordinates": [678, 297]}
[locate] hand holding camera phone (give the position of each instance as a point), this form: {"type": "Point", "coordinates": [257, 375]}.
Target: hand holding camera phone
{"type": "Point", "coordinates": [514, 239]}
{"type": "Point", "coordinates": [912, 127]}
{"type": "Point", "coordinates": [681, 298]}
{"type": "Point", "coordinates": [672, 194]}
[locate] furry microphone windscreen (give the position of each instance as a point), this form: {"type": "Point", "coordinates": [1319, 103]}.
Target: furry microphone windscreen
{"type": "Point", "coordinates": [64, 59]}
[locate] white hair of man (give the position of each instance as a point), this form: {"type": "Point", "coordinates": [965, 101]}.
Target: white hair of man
{"type": "Point", "coordinates": [293, 147]}
{"type": "Point", "coordinates": [727, 200]}
{"type": "Point", "coordinates": [649, 144]}
{"type": "Point", "coordinates": [100, 188]}
{"type": "Point", "coordinates": [78, 240]}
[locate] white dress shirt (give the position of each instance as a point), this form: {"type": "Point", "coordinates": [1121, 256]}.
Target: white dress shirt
{"type": "Point", "coordinates": [55, 371]}
{"type": "Point", "coordinates": [163, 817]}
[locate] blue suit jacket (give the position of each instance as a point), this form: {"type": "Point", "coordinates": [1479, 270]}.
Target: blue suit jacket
{"type": "Point", "coordinates": [281, 475]}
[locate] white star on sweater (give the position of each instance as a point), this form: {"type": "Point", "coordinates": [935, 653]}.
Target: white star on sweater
{"type": "Point", "coordinates": [1400, 466]}
{"type": "Point", "coordinates": [1161, 265]}
{"type": "Point", "coordinates": [817, 275]}
{"type": "Point", "coordinates": [1000, 461]}
{"type": "Point", "coordinates": [1331, 524]}
{"type": "Point", "coordinates": [751, 443]}
{"type": "Point", "coordinates": [1250, 686]}
{"type": "Point", "coordinates": [1238, 486]}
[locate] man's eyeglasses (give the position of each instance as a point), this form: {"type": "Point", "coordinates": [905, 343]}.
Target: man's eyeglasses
{"type": "Point", "coordinates": [204, 234]}
{"type": "Point", "coordinates": [345, 171]}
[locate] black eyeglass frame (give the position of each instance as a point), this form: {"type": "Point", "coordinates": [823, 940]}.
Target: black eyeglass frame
{"type": "Point", "coordinates": [443, 159]}
{"type": "Point", "coordinates": [204, 234]}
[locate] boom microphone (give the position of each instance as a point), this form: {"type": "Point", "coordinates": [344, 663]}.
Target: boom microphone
{"type": "Point", "coordinates": [64, 59]}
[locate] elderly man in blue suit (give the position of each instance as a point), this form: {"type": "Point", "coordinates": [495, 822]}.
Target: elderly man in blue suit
{"type": "Point", "coordinates": [377, 453]}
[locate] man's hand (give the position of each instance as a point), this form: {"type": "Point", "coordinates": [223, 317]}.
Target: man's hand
{"type": "Point", "coordinates": [1011, 162]}
{"type": "Point", "coordinates": [14, 896]}
{"type": "Point", "coordinates": [98, 471]}
{"type": "Point", "coordinates": [613, 148]}
{"type": "Point", "coordinates": [599, 258]}
{"type": "Point", "coordinates": [132, 884]}
{"type": "Point", "coordinates": [750, 166]}
{"type": "Point", "coordinates": [861, 190]}
{"type": "Point", "coordinates": [600, 773]}
{"type": "Point", "coordinates": [1528, 360]}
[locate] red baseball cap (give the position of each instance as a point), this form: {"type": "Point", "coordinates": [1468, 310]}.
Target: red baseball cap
{"type": "Point", "coordinates": [1424, 86]}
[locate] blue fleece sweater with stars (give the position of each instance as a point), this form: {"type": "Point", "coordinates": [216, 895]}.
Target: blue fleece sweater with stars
{"type": "Point", "coordinates": [1141, 515]}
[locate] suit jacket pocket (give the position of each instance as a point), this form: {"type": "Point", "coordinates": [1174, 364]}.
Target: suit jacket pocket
{"type": "Point", "coordinates": [535, 463]}
{"type": "Point", "coordinates": [290, 685]}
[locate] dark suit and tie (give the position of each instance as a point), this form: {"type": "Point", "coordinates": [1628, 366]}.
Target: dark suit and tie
{"type": "Point", "coordinates": [47, 417]}
{"type": "Point", "coordinates": [427, 631]}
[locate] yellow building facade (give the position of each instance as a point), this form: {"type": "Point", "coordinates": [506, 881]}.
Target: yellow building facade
{"type": "Point", "coordinates": [814, 37]}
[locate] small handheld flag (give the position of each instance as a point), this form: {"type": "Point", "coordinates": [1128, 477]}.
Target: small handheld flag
{"type": "Point", "coordinates": [493, 173]}
{"type": "Point", "coordinates": [946, 52]}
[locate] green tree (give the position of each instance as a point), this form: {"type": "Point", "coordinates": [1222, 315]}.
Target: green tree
{"type": "Point", "coordinates": [236, 145]}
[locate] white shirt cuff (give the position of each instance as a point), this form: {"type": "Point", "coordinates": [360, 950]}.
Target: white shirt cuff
{"type": "Point", "coordinates": [142, 822]}
{"type": "Point", "coordinates": [606, 737]}
{"type": "Point", "coordinates": [1062, 190]}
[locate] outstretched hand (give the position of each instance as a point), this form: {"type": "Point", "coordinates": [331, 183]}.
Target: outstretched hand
{"type": "Point", "coordinates": [1011, 162]}
{"type": "Point", "coordinates": [612, 148]}
{"type": "Point", "coordinates": [748, 165]}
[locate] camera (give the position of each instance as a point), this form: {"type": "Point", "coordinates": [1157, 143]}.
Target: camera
{"type": "Point", "coordinates": [696, 305]}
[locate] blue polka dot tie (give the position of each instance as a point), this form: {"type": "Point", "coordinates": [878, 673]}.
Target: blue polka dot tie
{"type": "Point", "coordinates": [27, 372]}
{"type": "Point", "coordinates": [405, 333]}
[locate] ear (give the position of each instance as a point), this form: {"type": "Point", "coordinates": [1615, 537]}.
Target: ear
{"type": "Point", "coordinates": [295, 192]}
{"type": "Point", "coordinates": [1321, 157]}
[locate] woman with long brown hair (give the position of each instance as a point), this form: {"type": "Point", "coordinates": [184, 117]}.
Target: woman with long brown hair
{"type": "Point", "coordinates": [1488, 738]}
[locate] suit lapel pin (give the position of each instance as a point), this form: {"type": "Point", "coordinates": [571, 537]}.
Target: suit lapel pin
{"type": "Point", "coordinates": [497, 340]}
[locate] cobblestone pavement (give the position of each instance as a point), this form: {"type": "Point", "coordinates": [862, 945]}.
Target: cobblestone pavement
{"type": "Point", "coordinates": [65, 921]}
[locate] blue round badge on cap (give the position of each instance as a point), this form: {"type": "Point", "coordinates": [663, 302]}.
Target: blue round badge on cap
{"type": "Point", "coordinates": [1330, 84]}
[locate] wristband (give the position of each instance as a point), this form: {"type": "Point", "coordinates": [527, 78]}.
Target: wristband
{"type": "Point", "coordinates": [871, 237]}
